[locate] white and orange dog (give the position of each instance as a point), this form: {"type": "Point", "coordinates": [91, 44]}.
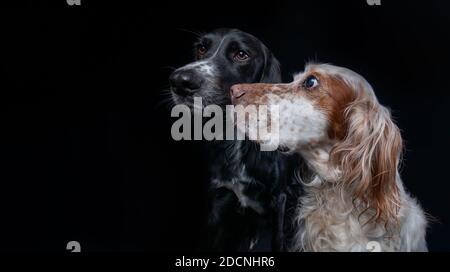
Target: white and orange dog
{"type": "Point", "coordinates": [353, 192]}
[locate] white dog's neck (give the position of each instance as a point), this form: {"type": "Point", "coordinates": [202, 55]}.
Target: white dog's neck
{"type": "Point", "coordinates": [327, 210]}
{"type": "Point", "coordinates": [318, 160]}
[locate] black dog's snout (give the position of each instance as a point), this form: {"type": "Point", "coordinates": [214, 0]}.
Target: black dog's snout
{"type": "Point", "coordinates": [185, 82]}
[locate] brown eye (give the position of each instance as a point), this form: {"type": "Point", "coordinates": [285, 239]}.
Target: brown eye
{"type": "Point", "coordinates": [201, 50]}
{"type": "Point", "coordinates": [241, 55]}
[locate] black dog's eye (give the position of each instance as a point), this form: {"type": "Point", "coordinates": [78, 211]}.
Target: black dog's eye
{"type": "Point", "coordinates": [201, 50]}
{"type": "Point", "coordinates": [241, 55]}
{"type": "Point", "coordinates": [310, 82]}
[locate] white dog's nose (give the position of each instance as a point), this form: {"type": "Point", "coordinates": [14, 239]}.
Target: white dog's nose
{"type": "Point", "coordinates": [237, 91]}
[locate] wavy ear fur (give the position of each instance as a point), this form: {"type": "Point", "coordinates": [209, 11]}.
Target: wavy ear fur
{"type": "Point", "coordinates": [369, 155]}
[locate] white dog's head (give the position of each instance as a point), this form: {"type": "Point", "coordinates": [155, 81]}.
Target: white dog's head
{"type": "Point", "coordinates": [333, 106]}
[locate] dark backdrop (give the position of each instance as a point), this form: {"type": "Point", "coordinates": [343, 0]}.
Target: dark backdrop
{"type": "Point", "coordinates": [85, 146]}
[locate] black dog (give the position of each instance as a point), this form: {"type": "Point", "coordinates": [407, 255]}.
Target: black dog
{"type": "Point", "coordinates": [245, 184]}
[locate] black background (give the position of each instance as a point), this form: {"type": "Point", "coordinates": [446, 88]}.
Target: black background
{"type": "Point", "coordinates": [86, 152]}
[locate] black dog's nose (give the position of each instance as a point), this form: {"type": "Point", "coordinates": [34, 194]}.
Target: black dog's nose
{"type": "Point", "coordinates": [185, 82]}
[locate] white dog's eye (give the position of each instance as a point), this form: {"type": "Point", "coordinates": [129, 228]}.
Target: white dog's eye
{"type": "Point", "coordinates": [310, 82]}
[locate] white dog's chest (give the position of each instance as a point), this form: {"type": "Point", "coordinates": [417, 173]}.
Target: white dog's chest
{"type": "Point", "coordinates": [326, 223]}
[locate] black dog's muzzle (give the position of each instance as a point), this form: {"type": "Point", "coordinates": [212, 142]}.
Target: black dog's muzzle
{"type": "Point", "coordinates": [185, 82]}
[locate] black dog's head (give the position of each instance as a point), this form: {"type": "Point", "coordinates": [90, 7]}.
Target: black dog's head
{"type": "Point", "coordinates": [224, 57]}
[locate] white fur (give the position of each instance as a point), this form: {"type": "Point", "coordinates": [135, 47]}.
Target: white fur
{"type": "Point", "coordinates": [328, 218]}
{"type": "Point", "coordinates": [205, 67]}
{"type": "Point", "coordinates": [300, 122]}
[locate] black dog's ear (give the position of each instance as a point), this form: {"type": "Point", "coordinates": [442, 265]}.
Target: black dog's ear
{"type": "Point", "coordinates": [271, 71]}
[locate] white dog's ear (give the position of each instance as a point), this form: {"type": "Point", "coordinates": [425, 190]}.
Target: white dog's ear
{"type": "Point", "coordinates": [369, 155]}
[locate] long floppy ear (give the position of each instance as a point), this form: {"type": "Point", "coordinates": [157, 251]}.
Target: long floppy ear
{"type": "Point", "coordinates": [271, 71]}
{"type": "Point", "coordinates": [369, 156]}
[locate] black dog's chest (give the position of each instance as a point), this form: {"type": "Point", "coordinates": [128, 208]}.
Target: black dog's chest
{"type": "Point", "coordinates": [245, 188]}
{"type": "Point", "coordinates": [250, 174]}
